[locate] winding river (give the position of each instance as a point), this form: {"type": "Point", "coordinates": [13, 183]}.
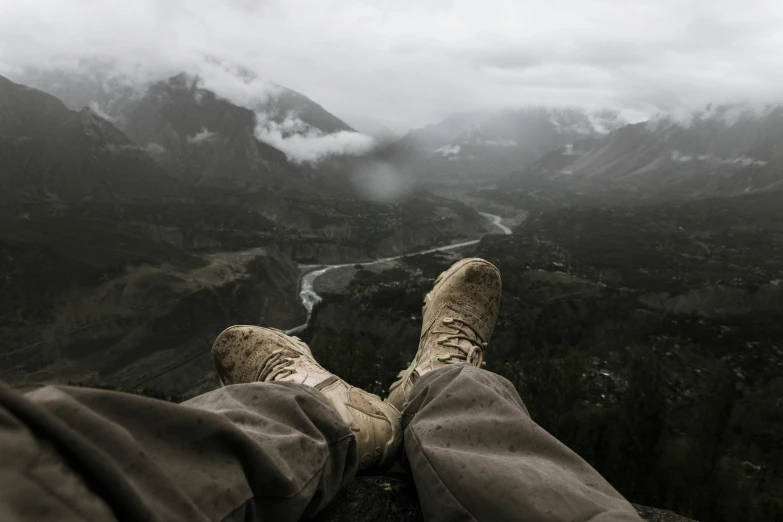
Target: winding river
{"type": "Point", "coordinates": [310, 297]}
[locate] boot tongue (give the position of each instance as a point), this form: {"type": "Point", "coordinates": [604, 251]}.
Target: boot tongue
{"type": "Point", "coordinates": [469, 316]}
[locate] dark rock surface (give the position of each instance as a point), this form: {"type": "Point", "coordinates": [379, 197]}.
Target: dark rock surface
{"type": "Point", "coordinates": [394, 499]}
{"type": "Point", "coordinates": [375, 499]}
{"type": "Point", "coordinates": [659, 515]}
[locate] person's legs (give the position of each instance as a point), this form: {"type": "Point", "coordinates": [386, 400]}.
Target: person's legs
{"type": "Point", "coordinates": [262, 451]}
{"type": "Point", "coordinates": [471, 446]}
{"type": "Point", "coordinates": [475, 454]}
{"type": "Point", "coordinates": [279, 449]}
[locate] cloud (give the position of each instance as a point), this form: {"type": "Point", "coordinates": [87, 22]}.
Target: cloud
{"type": "Point", "coordinates": [155, 148]}
{"type": "Point", "coordinates": [302, 143]}
{"type": "Point", "coordinates": [407, 63]}
{"type": "Point", "coordinates": [449, 150]}
{"type": "Point", "coordinates": [238, 85]}
{"type": "Point", "coordinates": [499, 142]}
{"type": "Point", "coordinates": [744, 161]}
{"type": "Point", "coordinates": [298, 140]}
{"type": "Point", "coordinates": [680, 157]}
{"type": "Point", "coordinates": [741, 161]}
{"type": "Point", "coordinates": [729, 115]}
{"type": "Point", "coordinates": [94, 107]}
{"type": "Point", "coordinates": [202, 136]}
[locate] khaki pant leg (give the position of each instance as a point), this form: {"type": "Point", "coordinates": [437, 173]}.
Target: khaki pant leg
{"type": "Point", "coordinates": [271, 451]}
{"type": "Point", "coordinates": [475, 454]}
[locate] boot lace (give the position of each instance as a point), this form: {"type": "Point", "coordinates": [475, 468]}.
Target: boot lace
{"type": "Point", "coordinates": [474, 354]}
{"type": "Point", "coordinates": [277, 365]}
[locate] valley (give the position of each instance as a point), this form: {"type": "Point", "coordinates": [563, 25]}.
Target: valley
{"type": "Point", "coordinates": [121, 268]}
{"type": "Point", "coordinates": [642, 262]}
{"type": "Point", "coordinates": [336, 277]}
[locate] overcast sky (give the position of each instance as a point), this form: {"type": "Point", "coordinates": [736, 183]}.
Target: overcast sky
{"type": "Point", "coordinates": [406, 63]}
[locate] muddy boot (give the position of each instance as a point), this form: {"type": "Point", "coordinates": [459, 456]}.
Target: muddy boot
{"type": "Point", "coordinates": [458, 319]}
{"type": "Point", "coordinates": [244, 354]}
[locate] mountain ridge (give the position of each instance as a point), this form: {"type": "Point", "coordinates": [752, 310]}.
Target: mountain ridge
{"type": "Point", "coordinates": [708, 155]}
{"type": "Point", "coordinates": [51, 152]}
{"type": "Point", "coordinates": [493, 143]}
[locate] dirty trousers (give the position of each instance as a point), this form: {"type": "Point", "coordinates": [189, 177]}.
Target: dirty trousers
{"type": "Point", "coordinates": [280, 452]}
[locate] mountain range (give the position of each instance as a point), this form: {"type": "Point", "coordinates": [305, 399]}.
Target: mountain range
{"type": "Point", "coordinates": [157, 134]}
{"type": "Point", "coordinates": [495, 142]}
{"type": "Point", "coordinates": [221, 129]}
{"type": "Point", "coordinates": [199, 137]}
{"type": "Point", "coordinates": [719, 151]}
{"type": "Point", "coordinates": [114, 94]}
{"type": "Point", "coordinates": [180, 146]}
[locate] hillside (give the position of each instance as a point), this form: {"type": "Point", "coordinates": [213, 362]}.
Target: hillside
{"type": "Point", "coordinates": [94, 301]}
{"type": "Point", "coordinates": [101, 87]}
{"type": "Point", "coordinates": [651, 332]}
{"type": "Point", "coordinates": [721, 151]}
{"type": "Point", "coordinates": [490, 144]}
{"type": "Point", "coordinates": [51, 153]}
{"type": "Point", "coordinates": [205, 140]}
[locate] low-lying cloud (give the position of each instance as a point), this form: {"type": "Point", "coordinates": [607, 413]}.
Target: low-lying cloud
{"type": "Point", "coordinates": [231, 82]}
{"type": "Point", "coordinates": [303, 143]}
{"type": "Point", "coordinates": [449, 150]}
{"type": "Point", "coordinates": [205, 135]}
{"type": "Point", "coordinates": [94, 107]}
{"type": "Point", "coordinates": [498, 142]}
{"type": "Point", "coordinates": [740, 161]}
{"type": "Point", "coordinates": [154, 148]}
{"type": "Point", "coordinates": [727, 115]}
{"type": "Point", "coordinates": [299, 141]}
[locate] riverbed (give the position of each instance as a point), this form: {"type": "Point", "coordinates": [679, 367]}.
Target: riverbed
{"type": "Point", "coordinates": [310, 297]}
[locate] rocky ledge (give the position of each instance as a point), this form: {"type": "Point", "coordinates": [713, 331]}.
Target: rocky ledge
{"type": "Point", "coordinates": [393, 499]}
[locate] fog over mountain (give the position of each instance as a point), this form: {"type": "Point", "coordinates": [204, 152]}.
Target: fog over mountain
{"type": "Point", "coordinates": [719, 151]}
{"type": "Point", "coordinates": [284, 119]}
{"type": "Point", "coordinates": [413, 63]}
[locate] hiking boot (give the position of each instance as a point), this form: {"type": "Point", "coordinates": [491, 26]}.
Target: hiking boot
{"type": "Point", "coordinates": [243, 354]}
{"type": "Point", "coordinates": [458, 319]}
